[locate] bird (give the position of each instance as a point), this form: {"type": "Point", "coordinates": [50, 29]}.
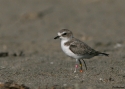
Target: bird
{"type": "Point", "coordinates": [76, 49]}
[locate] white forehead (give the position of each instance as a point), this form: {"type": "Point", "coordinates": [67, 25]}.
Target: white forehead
{"type": "Point", "coordinates": [59, 34]}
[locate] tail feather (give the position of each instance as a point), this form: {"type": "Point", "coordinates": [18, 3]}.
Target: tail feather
{"type": "Point", "coordinates": [104, 54]}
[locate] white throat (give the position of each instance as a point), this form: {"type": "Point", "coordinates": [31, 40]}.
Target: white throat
{"type": "Point", "coordinates": [64, 47]}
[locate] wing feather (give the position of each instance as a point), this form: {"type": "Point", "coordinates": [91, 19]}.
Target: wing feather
{"type": "Point", "coordinates": [80, 48]}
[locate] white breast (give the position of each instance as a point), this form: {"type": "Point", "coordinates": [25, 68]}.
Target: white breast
{"type": "Point", "coordinates": [67, 51]}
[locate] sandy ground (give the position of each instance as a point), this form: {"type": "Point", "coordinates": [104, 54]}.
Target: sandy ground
{"type": "Point", "coordinates": [29, 26]}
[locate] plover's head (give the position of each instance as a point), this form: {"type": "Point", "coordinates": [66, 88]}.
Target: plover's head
{"type": "Point", "coordinates": [64, 34]}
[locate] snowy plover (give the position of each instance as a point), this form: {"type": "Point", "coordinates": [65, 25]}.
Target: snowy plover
{"type": "Point", "coordinates": [76, 48]}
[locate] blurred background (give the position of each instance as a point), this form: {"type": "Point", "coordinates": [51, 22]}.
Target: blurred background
{"type": "Point", "coordinates": [29, 26]}
{"type": "Point", "coordinates": [27, 23]}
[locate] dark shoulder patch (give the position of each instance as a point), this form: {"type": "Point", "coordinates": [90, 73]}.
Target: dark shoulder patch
{"type": "Point", "coordinates": [68, 43]}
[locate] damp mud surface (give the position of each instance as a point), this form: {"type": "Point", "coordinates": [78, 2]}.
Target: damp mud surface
{"type": "Point", "coordinates": [29, 54]}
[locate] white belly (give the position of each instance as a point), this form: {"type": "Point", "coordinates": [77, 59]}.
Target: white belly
{"type": "Point", "coordinates": [68, 52]}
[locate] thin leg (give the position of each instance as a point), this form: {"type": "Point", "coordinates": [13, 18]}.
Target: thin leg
{"type": "Point", "coordinates": [76, 66]}
{"type": "Point", "coordinates": [85, 64]}
{"type": "Point", "coordinates": [81, 70]}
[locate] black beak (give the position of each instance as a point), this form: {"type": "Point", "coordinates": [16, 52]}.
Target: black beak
{"type": "Point", "coordinates": [56, 37]}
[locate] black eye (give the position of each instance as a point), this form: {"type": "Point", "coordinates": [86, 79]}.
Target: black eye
{"type": "Point", "coordinates": [64, 33]}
